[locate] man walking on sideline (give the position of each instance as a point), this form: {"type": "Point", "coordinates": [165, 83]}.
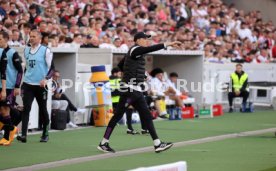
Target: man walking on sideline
{"type": "Point", "coordinates": [133, 78]}
{"type": "Point", "coordinates": [39, 68]}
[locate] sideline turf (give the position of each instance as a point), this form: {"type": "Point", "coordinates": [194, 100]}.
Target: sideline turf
{"type": "Point", "coordinates": [78, 143]}
{"type": "Point", "coordinates": [252, 153]}
{"type": "Point", "coordinates": [271, 169]}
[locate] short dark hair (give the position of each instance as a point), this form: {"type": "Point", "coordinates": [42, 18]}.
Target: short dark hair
{"type": "Point", "coordinates": [33, 6]}
{"type": "Point", "coordinates": [42, 22]}
{"type": "Point", "coordinates": [68, 40]}
{"type": "Point", "coordinates": [13, 13]}
{"type": "Point", "coordinates": [156, 71]}
{"type": "Point", "coordinates": [45, 34]}
{"type": "Point", "coordinates": [115, 70]}
{"type": "Point", "coordinates": [27, 25]}
{"type": "Point", "coordinates": [76, 35]}
{"type": "Point", "coordinates": [3, 2]}
{"type": "Point", "coordinates": [173, 74]}
{"type": "Point", "coordinates": [37, 32]}
{"type": "Point", "coordinates": [5, 35]}
{"type": "Point", "coordinates": [15, 30]}
{"type": "Point", "coordinates": [52, 36]}
{"type": "Point", "coordinates": [239, 64]}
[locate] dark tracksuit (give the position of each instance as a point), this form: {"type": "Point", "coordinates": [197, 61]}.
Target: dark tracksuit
{"type": "Point", "coordinates": [243, 92]}
{"type": "Point", "coordinates": [115, 92]}
{"type": "Point", "coordinates": [134, 69]}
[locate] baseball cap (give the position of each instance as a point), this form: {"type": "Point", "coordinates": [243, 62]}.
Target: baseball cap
{"type": "Point", "coordinates": [141, 35]}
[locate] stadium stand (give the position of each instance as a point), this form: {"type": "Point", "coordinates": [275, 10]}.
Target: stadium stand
{"type": "Point", "coordinates": [225, 33]}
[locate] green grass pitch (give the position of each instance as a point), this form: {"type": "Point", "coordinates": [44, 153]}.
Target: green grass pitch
{"type": "Point", "coordinates": [252, 153]}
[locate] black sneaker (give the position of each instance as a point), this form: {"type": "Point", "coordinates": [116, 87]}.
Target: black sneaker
{"type": "Point", "coordinates": [144, 132]}
{"type": "Point", "coordinates": [230, 110]}
{"type": "Point", "coordinates": [44, 139]}
{"type": "Point", "coordinates": [22, 139]}
{"type": "Point", "coordinates": [132, 132]}
{"type": "Point", "coordinates": [105, 148]}
{"type": "Point", "coordinates": [162, 147]}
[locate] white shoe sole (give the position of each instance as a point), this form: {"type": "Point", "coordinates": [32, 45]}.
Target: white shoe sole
{"type": "Point", "coordinates": [163, 149]}
{"type": "Point", "coordinates": [99, 148]}
{"type": "Point", "coordinates": [72, 126]}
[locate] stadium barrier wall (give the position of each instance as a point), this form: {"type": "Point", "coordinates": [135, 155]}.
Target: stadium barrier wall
{"type": "Point", "coordinates": [75, 64]}
{"type": "Point", "coordinates": [220, 74]}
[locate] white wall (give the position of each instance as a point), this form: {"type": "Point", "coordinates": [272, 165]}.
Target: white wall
{"type": "Point", "coordinates": [188, 65]}
{"type": "Point", "coordinates": [220, 73]}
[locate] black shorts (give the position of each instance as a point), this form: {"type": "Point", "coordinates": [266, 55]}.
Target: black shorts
{"type": "Point", "coordinates": [10, 100]}
{"type": "Point", "coordinates": [15, 116]}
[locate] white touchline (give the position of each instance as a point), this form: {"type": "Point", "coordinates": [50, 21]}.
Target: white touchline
{"type": "Point", "coordinates": [138, 150]}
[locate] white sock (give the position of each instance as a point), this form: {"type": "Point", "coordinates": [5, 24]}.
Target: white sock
{"type": "Point", "coordinates": [104, 141]}
{"type": "Point", "coordinates": [156, 142]}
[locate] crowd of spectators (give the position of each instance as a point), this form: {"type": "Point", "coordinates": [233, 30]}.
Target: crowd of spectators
{"type": "Point", "coordinates": [225, 33]}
